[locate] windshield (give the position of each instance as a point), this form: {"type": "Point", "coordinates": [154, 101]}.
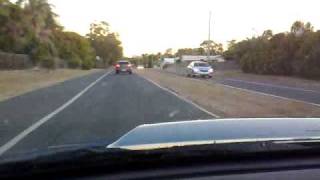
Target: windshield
{"type": "Point", "coordinates": [82, 73]}
{"type": "Point", "coordinates": [201, 65]}
{"type": "Point", "coordinates": [123, 63]}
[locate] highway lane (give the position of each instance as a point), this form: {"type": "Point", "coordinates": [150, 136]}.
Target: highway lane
{"type": "Point", "coordinates": [18, 113]}
{"type": "Point", "coordinates": [109, 109]}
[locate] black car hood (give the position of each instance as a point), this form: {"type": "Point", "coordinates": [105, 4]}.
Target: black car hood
{"type": "Point", "coordinates": [164, 135]}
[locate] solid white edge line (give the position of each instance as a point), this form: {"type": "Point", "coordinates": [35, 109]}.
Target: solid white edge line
{"type": "Point", "coordinates": [272, 85]}
{"type": "Point", "coordinates": [4, 148]}
{"type": "Point", "coordinates": [182, 98]}
{"type": "Point", "coordinates": [271, 95]}
{"type": "Point", "coordinates": [252, 91]}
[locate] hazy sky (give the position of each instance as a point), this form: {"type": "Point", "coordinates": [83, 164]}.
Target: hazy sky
{"type": "Point", "coordinates": [151, 26]}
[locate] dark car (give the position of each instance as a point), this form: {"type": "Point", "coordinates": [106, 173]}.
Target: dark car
{"type": "Point", "coordinates": [123, 66]}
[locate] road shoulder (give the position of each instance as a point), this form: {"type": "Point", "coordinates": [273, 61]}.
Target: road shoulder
{"type": "Point", "coordinates": [18, 82]}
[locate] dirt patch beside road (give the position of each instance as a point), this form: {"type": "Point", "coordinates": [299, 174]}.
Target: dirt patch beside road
{"type": "Point", "coordinates": [229, 102]}
{"type": "Point", "coordinates": [17, 82]}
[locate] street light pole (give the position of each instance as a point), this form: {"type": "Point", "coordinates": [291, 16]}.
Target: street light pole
{"type": "Point", "coordinates": [209, 34]}
{"type": "Point", "coordinates": [255, 32]}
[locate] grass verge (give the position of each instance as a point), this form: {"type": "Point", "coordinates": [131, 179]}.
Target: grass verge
{"type": "Point", "coordinates": [229, 102]}
{"type": "Point", "coordinates": [17, 82]}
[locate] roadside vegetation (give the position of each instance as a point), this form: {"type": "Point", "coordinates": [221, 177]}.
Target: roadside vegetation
{"type": "Point", "coordinates": [17, 82]}
{"type": "Point", "coordinates": [208, 45]}
{"type": "Point", "coordinates": [151, 60]}
{"type": "Point", "coordinates": [293, 53]}
{"type": "Point", "coordinates": [30, 27]}
{"type": "Point", "coordinates": [146, 60]}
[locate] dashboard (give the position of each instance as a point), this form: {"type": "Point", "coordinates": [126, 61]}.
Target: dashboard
{"type": "Point", "coordinates": [291, 169]}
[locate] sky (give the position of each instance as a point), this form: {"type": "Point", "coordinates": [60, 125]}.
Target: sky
{"type": "Point", "coordinates": [151, 26]}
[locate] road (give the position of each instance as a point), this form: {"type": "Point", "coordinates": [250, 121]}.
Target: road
{"type": "Point", "coordinates": [95, 108]}
{"type": "Point", "coordinates": [281, 91]}
{"type": "Point", "coordinates": [299, 94]}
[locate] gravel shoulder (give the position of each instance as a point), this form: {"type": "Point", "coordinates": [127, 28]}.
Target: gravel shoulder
{"type": "Point", "coordinates": [17, 82]}
{"type": "Point", "coordinates": [229, 102]}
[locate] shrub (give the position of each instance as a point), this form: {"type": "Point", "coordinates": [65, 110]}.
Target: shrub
{"type": "Point", "coordinates": [48, 62]}
{"type": "Point", "coordinates": [74, 63]}
{"type": "Point", "coordinates": [87, 64]}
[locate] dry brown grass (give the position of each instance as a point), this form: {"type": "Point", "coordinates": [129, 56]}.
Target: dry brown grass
{"type": "Point", "coordinates": [229, 102]}
{"type": "Point", "coordinates": [13, 83]}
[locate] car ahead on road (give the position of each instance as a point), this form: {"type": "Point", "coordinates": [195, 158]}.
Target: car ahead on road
{"type": "Point", "coordinates": [199, 68]}
{"type": "Point", "coordinates": [276, 148]}
{"type": "Point", "coordinates": [123, 67]}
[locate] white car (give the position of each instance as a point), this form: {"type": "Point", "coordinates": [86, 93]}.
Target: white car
{"type": "Point", "coordinates": [140, 67]}
{"type": "Point", "coordinates": [199, 68]}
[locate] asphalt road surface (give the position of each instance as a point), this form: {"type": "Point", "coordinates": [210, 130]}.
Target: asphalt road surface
{"type": "Point", "coordinates": [102, 112]}
{"type": "Point", "coordinates": [294, 93]}
{"type": "Point", "coordinates": [300, 94]}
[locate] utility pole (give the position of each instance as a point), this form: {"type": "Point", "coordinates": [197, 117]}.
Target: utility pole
{"type": "Point", "coordinates": [209, 34]}
{"type": "Point", "coordinates": [256, 34]}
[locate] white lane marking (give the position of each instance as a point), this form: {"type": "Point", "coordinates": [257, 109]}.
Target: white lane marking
{"type": "Point", "coordinates": [4, 148]}
{"type": "Point", "coordinates": [271, 95]}
{"type": "Point", "coordinates": [272, 85]}
{"type": "Point", "coordinates": [258, 92]}
{"type": "Point", "coordinates": [182, 98]}
{"type": "Point", "coordinates": [252, 91]}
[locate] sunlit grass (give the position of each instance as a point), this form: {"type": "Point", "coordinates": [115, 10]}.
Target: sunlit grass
{"type": "Point", "coordinates": [13, 83]}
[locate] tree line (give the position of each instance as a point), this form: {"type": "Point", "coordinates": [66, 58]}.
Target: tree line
{"type": "Point", "coordinates": [205, 47]}
{"type": "Point", "coordinates": [146, 60]}
{"type": "Point", "coordinates": [31, 27]}
{"type": "Point", "coordinates": [296, 52]}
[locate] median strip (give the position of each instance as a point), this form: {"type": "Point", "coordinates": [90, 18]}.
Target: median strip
{"type": "Point", "coordinates": [230, 102]}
